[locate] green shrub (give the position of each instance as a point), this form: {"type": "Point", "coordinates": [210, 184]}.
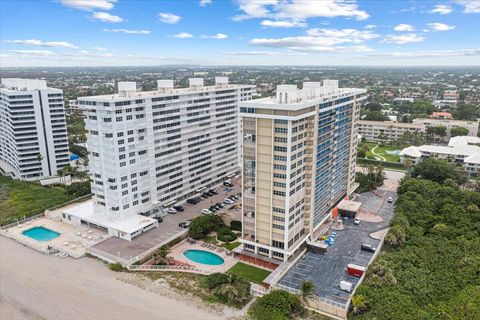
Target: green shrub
{"type": "Point", "coordinates": [277, 305]}
{"type": "Point", "coordinates": [78, 189]}
{"type": "Point", "coordinates": [236, 225]}
{"type": "Point", "coordinates": [225, 234]}
{"type": "Point", "coordinates": [216, 279]}
{"type": "Point", "coordinates": [203, 225]}
{"type": "Point", "coordinates": [115, 267]}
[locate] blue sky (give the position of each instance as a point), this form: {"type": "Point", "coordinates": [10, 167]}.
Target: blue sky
{"type": "Point", "coordinates": [239, 32]}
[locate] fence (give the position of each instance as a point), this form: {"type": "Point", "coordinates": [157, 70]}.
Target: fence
{"type": "Point", "coordinates": [258, 290]}
{"type": "Point", "coordinates": [169, 268]}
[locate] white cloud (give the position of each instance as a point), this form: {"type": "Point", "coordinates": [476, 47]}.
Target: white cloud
{"type": "Point", "coordinates": [403, 27]}
{"type": "Point", "coordinates": [127, 31]}
{"type": "Point", "coordinates": [343, 35]}
{"type": "Point", "coordinates": [35, 42]}
{"type": "Point", "coordinates": [282, 23]}
{"type": "Point", "coordinates": [169, 18]}
{"type": "Point", "coordinates": [265, 53]}
{"type": "Point", "coordinates": [430, 54]}
{"type": "Point", "coordinates": [219, 36]}
{"type": "Point", "coordinates": [299, 9]}
{"type": "Point", "coordinates": [183, 35]}
{"type": "Point", "coordinates": [89, 5]}
{"type": "Point", "coordinates": [34, 52]}
{"type": "Point", "coordinates": [441, 9]}
{"type": "Point", "coordinates": [99, 49]}
{"type": "Point", "coordinates": [403, 38]}
{"type": "Point", "coordinates": [370, 26]}
{"type": "Point", "coordinates": [106, 17]}
{"type": "Point", "coordinates": [469, 6]}
{"type": "Point", "coordinates": [203, 3]}
{"type": "Point", "coordinates": [437, 26]}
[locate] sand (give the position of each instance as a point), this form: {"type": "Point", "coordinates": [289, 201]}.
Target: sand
{"type": "Point", "coordinates": [37, 286]}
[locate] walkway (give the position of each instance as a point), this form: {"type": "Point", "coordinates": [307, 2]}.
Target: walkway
{"type": "Point", "coordinates": [377, 155]}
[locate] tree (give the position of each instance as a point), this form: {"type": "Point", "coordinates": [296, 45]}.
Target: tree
{"type": "Point", "coordinates": [307, 288]}
{"type": "Point", "coordinates": [437, 170]}
{"type": "Point", "coordinates": [375, 116]}
{"type": "Point", "coordinates": [466, 112]}
{"type": "Point", "coordinates": [458, 131]}
{"type": "Point", "coordinates": [203, 225]}
{"type": "Point", "coordinates": [359, 303]}
{"type": "Point", "coordinates": [382, 137]}
{"type": "Point", "coordinates": [235, 292]}
{"type": "Point", "coordinates": [276, 305]}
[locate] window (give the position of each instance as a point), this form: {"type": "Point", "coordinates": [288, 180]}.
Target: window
{"type": "Point", "coordinates": [118, 119]}
{"type": "Point", "coordinates": [119, 134]}
{"type": "Point", "coordinates": [107, 119]}
{"type": "Point", "coordinates": [129, 117]}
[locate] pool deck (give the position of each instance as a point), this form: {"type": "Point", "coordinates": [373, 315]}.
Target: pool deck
{"type": "Point", "coordinates": [177, 254]}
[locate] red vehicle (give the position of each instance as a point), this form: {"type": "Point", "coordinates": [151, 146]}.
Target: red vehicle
{"type": "Point", "coordinates": [355, 270]}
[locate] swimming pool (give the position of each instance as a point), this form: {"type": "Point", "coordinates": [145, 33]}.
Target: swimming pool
{"type": "Point", "coordinates": [40, 234]}
{"type": "Point", "coordinates": [203, 257]}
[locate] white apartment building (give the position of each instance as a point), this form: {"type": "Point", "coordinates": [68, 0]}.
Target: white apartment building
{"type": "Point", "coordinates": [299, 154]}
{"type": "Point", "coordinates": [464, 150]}
{"type": "Point", "coordinates": [33, 131]}
{"type": "Point", "coordinates": [472, 126]}
{"type": "Point", "coordinates": [152, 149]}
{"type": "Point", "coordinates": [386, 131]}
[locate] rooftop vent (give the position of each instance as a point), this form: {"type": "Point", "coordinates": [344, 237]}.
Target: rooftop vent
{"type": "Point", "coordinates": [221, 82]}
{"type": "Point", "coordinates": [127, 88]}
{"type": "Point", "coordinates": [195, 83]}
{"type": "Point", "coordinates": [164, 85]}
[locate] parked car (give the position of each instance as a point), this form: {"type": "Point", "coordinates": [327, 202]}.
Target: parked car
{"type": "Point", "coordinates": [212, 208]}
{"type": "Point", "coordinates": [185, 224]}
{"type": "Point", "coordinates": [221, 205]}
{"type": "Point", "coordinates": [159, 219]}
{"type": "Point", "coordinates": [368, 248]}
{"type": "Point", "coordinates": [390, 200]}
{"type": "Point", "coordinates": [227, 184]}
{"type": "Point", "coordinates": [171, 210]}
{"type": "Point", "coordinates": [213, 191]}
{"type": "Point", "coordinates": [193, 201]}
{"type": "Point", "coordinates": [217, 207]}
{"type": "Point", "coordinates": [356, 221]}
{"type": "Point", "coordinates": [346, 286]}
{"type": "Point", "coordinates": [355, 270]}
{"type": "Point", "coordinates": [179, 208]}
{"type": "Point", "coordinates": [206, 211]}
{"type": "Point", "coordinates": [227, 201]}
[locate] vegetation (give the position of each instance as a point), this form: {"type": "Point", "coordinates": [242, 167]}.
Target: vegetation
{"type": "Point", "coordinates": [249, 272]}
{"type": "Point", "coordinates": [225, 234]}
{"type": "Point", "coordinates": [408, 138]}
{"type": "Point", "coordinates": [19, 199]}
{"type": "Point", "coordinates": [76, 129]}
{"type": "Point", "coordinates": [115, 267]}
{"type": "Point", "coordinates": [203, 225]}
{"type": "Point", "coordinates": [458, 131]}
{"type": "Point", "coordinates": [370, 181]}
{"type": "Point", "coordinates": [429, 267]}
{"type": "Point", "coordinates": [436, 133]}
{"type": "Point", "coordinates": [438, 170]}
{"type": "Point", "coordinates": [78, 189]}
{"type": "Point", "coordinates": [375, 116]}
{"type": "Point", "coordinates": [277, 305]}
{"type": "Point", "coordinates": [382, 152]}
{"type": "Point", "coordinates": [307, 288]}
{"type": "Point", "coordinates": [231, 245]}
{"type": "Point", "coordinates": [228, 288]}
{"type": "Point", "coordinates": [466, 112]}
{"type": "Point", "coordinates": [236, 225]}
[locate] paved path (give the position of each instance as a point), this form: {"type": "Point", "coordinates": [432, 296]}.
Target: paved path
{"type": "Point", "coordinates": [37, 286]}
{"type": "Point", "coordinates": [376, 154]}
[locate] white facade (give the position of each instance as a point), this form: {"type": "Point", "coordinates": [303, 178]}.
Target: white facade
{"type": "Point", "coordinates": [148, 149]}
{"type": "Point", "coordinates": [472, 126]}
{"type": "Point", "coordinates": [386, 131]}
{"type": "Point", "coordinates": [33, 131]}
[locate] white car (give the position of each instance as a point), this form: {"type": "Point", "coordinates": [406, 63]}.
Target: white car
{"type": "Point", "coordinates": [206, 211]}
{"type": "Point", "coordinates": [171, 210]}
{"type": "Point", "coordinates": [356, 221]}
{"type": "Point", "coordinates": [227, 201]}
{"type": "Point", "coordinates": [390, 200]}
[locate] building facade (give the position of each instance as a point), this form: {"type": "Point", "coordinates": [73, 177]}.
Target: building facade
{"type": "Point", "coordinates": [386, 131]}
{"type": "Point", "coordinates": [298, 163]}
{"type": "Point", "coordinates": [33, 131]}
{"type": "Point", "coordinates": [152, 149]}
{"type": "Point", "coordinates": [472, 126]}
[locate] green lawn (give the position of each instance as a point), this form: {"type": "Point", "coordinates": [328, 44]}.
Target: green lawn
{"type": "Point", "coordinates": [231, 245]}
{"type": "Point", "coordinates": [249, 272]}
{"type": "Point", "coordinates": [210, 239]}
{"type": "Point", "coordinates": [19, 199]}
{"type": "Point", "coordinates": [382, 151]}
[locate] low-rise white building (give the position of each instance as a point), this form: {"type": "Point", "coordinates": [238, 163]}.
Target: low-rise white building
{"type": "Point", "coordinates": [462, 149]}
{"type": "Point", "coordinates": [471, 126]}
{"type": "Point", "coordinates": [386, 131]}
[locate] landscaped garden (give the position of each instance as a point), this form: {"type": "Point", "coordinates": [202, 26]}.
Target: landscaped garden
{"type": "Point", "coordinates": [251, 273]}
{"type": "Point", "coordinates": [211, 229]}
{"type": "Point", "coordinates": [380, 152]}
{"type": "Point", "coordinates": [20, 199]}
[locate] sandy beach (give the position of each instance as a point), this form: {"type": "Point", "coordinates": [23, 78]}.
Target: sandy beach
{"type": "Point", "coordinates": [36, 286]}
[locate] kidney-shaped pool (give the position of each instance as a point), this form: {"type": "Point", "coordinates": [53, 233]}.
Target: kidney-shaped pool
{"type": "Point", "coordinates": [203, 257]}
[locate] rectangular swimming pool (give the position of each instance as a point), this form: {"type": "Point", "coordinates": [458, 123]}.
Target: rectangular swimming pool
{"type": "Point", "coordinates": [41, 234]}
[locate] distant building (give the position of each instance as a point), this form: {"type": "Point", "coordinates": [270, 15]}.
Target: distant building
{"type": "Point", "coordinates": [386, 131]}
{"type": "Point", "coordinates": [462, 149]}
{"type": "Point", "coordinates": [299, 157]}
{"type": "Point", "coordinates": [472, 126]}
{"type": "Point", "coordinates": [399, 100]}
{"type": "Point", "coordinates": [75, 108]}
{"type": "Point", "coordinates": [441, 115]}
{"type": "Point", "coordinates": [33, 131]}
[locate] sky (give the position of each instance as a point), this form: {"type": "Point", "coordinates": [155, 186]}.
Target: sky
{"type": "Point", "coordinates": [239, 32]}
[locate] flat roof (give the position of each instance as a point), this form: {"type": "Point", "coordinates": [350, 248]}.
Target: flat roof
{"type": "Point", "coordinates": [128, 225]}
{"type": "Point", "coordinates": [391, 123]}
{"type": "Point", "coordinates": [349, 205]}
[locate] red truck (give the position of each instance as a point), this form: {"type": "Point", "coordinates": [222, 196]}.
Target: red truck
{"type": "Point", "coordinates": [355, 270]}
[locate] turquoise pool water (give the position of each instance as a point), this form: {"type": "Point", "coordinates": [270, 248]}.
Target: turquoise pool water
{"type": "Point", "coordinates": [41, 234]}
{"type": "Point", "coordinates": [203, 257]}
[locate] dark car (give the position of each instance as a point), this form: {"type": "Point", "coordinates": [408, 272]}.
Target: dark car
{"type": "Point", "coordinates": [227, 184]}
{"type": "Point", "coordinates": [213, 208]}
{"type": "Point", "coordinates": [159, 219]}
{"type": "Point", "coordinates": [178, 208]}
{"type": "Point", "coordinates": [368, 248]}
{"type": "Point", "coordinates": [193, 200]}
{"type": "Point", "coordinates": [205, 195]}
{"type": "Point", "coordinates": [213, 191]}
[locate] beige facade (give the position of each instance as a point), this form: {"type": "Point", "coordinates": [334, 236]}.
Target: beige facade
{"type": "Point", "coordinates": [296, 148]}
{"type": "Point", "coordinates": [471, 126]}
{"type": "Point", "coordinates": [386, 131]}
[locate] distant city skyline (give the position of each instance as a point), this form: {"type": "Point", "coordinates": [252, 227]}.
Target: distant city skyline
{"type": "Point", "coordinates": [240, 32]}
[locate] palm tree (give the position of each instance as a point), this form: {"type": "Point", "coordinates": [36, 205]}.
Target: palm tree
{"type": "Point", "coordinates": [359, 303]}
{"type": "Point", "coordinates": [234, 292]}
{"type": "Point", "coordinates": [307, 288]}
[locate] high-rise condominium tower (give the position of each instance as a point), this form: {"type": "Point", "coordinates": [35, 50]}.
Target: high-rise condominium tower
{"type": "Point", "coordinates": [298, 163]}
{"type": "Point", "coordinates": [154, 148]}
{"type": "Point", "coordinates": [33, 132]}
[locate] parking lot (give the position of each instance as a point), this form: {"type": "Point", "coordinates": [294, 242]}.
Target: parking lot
{"type": "Point", "coordinates": [167, 229]}
{"type": "Point", "coordinates": [326, 271]}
